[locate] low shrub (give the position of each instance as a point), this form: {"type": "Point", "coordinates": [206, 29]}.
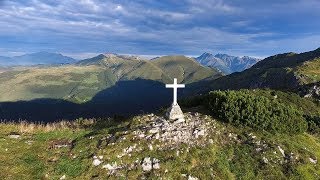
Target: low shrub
{"type": "Point", "coordinates": [313, 124]}
{"type": "Point", "coordinates": [243, 108]}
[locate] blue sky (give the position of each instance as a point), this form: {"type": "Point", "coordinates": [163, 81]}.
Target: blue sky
{"type": "Point", "coordinates": [82, 28]}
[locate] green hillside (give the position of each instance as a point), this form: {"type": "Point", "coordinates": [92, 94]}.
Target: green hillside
{"type": "Point", "coordinates": [283, 71]}
{"type": "Point", "coordinates": [82, 81]}
{"type": "Point", "coordinates": [186, 69]}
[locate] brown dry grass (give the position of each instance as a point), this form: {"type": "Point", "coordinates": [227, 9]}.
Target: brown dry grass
{"type": "Point", "coordinates": [31, 127]}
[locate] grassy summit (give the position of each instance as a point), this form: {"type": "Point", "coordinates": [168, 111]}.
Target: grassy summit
{"type": "Point", "coordinates": [149, 146]}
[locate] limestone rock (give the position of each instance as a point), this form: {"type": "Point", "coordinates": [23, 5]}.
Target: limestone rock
{"type": "Point", "coordinates": [175, 112]}
{"type": "Point", "coordinates": [265, 160]}
{"type": "Point", "coordinates": [96, 162]}
{"type": "Point", "coordinates": [147, 164]}
{"type": "Point", "coordinates": [111, 167]}
{"type": "Point", "coordinates": [314, 161]}
{"type": "Point", "coordinates": [14, 135]}
{"type": "Point", "coordinates": [282, 151]}
{"type": "Point", "coordinates": [192, 178]}
{"type": "Point", "coordinates": [155, 163]}
{"type": "Point", "coordinates": [150, 163]}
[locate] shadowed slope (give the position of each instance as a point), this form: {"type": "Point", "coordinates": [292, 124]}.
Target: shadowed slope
{"type": "Point", "coordinates": [124, 98]}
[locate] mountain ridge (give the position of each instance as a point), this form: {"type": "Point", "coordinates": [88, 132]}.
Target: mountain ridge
{"type": "Point", "coordinates": [38, 58]}
{"type": "Point", "coordinates": [226, 63]}
{"type": "Point", "coordinates": [284, 71]}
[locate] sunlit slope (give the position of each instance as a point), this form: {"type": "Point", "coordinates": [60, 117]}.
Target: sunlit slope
{"type": "Point", "coordinates": [185, 69]}
{"type": "Point", "coordinates": [82, 81]}
{"type": "Point", "coordinates": [66, 82]}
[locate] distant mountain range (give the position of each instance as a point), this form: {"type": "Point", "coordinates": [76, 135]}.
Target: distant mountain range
{"type": "Point", "coordinates": [44, 58]}
{"type": "Point", "coordinates": [226, 63]}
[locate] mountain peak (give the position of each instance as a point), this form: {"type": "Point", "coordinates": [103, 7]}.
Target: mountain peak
{"type": "Point", "coordinates": [110, 54]}
{"type": "Point", "coordinates": [42, 57]}
{"type": "Point", "coordinates": [226, 63]}
{"type": "Point", "coordinates": [206, 54]}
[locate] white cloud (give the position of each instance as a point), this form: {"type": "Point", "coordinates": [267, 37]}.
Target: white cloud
{"type": "Point", "coordinates": [130, 25]}
{"type": "Point", "coordinates": [90, 4]}
{"type": "Point", "coordinates": [211, 6]}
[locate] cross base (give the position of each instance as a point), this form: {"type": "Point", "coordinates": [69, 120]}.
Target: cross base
{"type": "Point", "coordinates": [175, 113]}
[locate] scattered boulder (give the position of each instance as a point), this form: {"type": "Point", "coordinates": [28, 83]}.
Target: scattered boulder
{"type": "Point", "coordinates": [111, 167]}
{"type": "Point", "coordinates": [192, 178]}
{"type": "Point", "coordinates": [265, 160]}
{"type": "Point", "coordinates": [60, 143]}
{"type": "Point", "coordinates": [146, 164]}
{"type": "Point", "coordinates": [281, 151]}
{"type": "Point", "coordinates": [155, 163]}
{"type": "Point", "coordinates": [150, 163]}
{"type": "Point", "coordinates": [29, 142]}
{"type": "Point", "coordinates": [97, 160]}
{"type": "Point", "coordinates": [14, 135]}
{"type": "Point", "coordinates": [313, 161]}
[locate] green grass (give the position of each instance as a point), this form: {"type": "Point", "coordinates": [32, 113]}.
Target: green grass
{"type": "Point", "coordinates": [310, 70]}
{"type": "Point", "coordinates": [223, 159]}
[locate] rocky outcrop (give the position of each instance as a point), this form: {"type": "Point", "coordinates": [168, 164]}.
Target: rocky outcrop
{"type": "Point", "coordinates": [310, 90]}
{"type": "Point", "coordinates": [148, 164]}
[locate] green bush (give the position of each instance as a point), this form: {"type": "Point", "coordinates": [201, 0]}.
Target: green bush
{"type": "Point", "coordinates": [313, 124]}
{"type": "Point", "coordinates": [243, 108]}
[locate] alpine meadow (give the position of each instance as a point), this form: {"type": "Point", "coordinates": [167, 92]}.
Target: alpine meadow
{"type": "Point", "coordinates": [194, 90]}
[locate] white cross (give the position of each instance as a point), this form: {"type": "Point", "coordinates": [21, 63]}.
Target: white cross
{"type": "Point", "coordinates": [175, 87]}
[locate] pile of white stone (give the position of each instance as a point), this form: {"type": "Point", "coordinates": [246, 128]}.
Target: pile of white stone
{"type": "Point", "coordinates": [191, 128]}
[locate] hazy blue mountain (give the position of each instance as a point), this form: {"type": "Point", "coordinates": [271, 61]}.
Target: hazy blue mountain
{"type": "Point", "coordinates": [208, 59]}
{"type": "Point", "coordinates": [43, 58]}
{"type": "Point", "coordinates": [226, 63]}
{"type": "Point", "coordinates": [36, 58]}
{"type": "Point", "coordinates": [6, 61]}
